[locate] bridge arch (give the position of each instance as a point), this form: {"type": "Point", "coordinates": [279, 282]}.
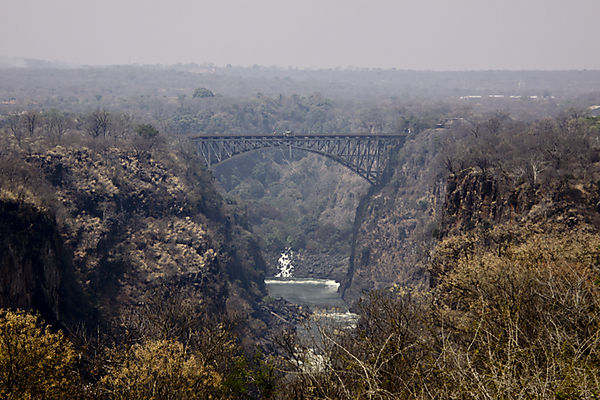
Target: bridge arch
{"type": "Point", "coordinates": [365, 155]}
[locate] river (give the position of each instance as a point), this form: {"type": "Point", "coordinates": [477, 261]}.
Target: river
{"type": "Point", "coordinates": [321, 295]}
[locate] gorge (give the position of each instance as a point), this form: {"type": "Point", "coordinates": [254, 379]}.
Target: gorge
{"type": "Point", "coordinates": [480, 237]}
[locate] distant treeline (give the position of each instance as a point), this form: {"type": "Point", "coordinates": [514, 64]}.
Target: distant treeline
{"type": "Point", "coordinates": [269, 99]}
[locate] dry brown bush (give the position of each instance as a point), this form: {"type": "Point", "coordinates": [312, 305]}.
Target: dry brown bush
{"type": "Point", "coordinates": [519, 322]}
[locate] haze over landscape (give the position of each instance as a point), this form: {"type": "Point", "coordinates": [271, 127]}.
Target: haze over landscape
{"type": "Point", "coordinates": [430, 34]}
{"type": "Point", "coordinates": [279, 200]}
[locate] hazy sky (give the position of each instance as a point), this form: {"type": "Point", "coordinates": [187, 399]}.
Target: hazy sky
{"type": "Point", "coordinates": [405, 34]}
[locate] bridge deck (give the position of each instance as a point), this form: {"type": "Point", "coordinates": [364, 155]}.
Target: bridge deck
{"type": "Point", "coordinates": [302, 136]}
{"type": "Point", "coordinates": [365, 154]}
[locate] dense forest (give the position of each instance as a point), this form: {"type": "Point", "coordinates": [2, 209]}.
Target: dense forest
{"type": "Point", "coordinates": [128, 270]}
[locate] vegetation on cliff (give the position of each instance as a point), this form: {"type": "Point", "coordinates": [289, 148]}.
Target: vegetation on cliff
{"type": "Point", "coordinates": [125, 245]}
{"type": "Point", "coordinates": [482, 243]}
{"type": "Point", "coordinates": [135, 219]}
{"type": "Point", "coordinates": [514, 261]}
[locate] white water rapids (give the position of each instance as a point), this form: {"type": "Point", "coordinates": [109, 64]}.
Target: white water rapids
{"type": "Point", "coordinates": [319, 294]}
{"type": "Point", "coordinates": [286, 268]}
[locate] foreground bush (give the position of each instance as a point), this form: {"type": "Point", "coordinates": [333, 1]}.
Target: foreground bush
{"type": "Point", "coordinates": [519, 322]}
{"type": "Point", "coordinates": [35, 363]}
{"type": "Point", "coordinates": [525, 321]}
{"type": "Point", "coordinates": [160, 369]}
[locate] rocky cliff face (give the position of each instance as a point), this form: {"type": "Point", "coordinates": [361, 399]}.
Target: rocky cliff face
{"type": "Point", "coordinates": [35, 269]}
{"type": "Point", "coordinates": [130, 221]}
{"type": "Point", "coordinates": [475, 200]}
{"type": "Point", "coordinates": [399, 224]}
{"type": "Point", "coordinates": [396, 222]}
{"type": "Point", "coordinates": [484, 216]}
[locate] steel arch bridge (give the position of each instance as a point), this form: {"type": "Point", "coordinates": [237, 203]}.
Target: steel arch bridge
{"type": "Point", "coordinates": [366, 155]}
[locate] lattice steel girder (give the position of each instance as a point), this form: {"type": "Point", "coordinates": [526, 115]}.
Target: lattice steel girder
{"type": "Point", "coordinates": [364, 154]}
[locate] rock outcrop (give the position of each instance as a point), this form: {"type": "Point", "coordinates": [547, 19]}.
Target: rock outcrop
{"type": "Point", "coordinates": [395, 223]}
{"type": "Point", "coordinates": [36, 272]}
{"type": "Point", "coordinates": [128, 221]}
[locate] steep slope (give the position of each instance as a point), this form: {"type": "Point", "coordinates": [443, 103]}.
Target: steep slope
{"type": "Point", "coordinates": [36, 271]}
{"type": "Point", "coordinates": [306, 203]}
{"type": "Point", "coordinates": [483, 214]}
{"type": "Point", "coordinates": [395, 222]}
{"type": "Point", "coordinates": [134, 220]}
{"type": "Point", "coordinates": [481, 179]}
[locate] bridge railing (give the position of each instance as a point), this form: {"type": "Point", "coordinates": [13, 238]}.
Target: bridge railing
{"type": "Point", "coordinates": [364, 154]}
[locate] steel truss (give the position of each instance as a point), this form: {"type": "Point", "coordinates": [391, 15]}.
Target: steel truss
{"type": "Point", "coordinates": [364, 154]}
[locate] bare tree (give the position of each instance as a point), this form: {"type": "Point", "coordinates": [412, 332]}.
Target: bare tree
{"type": "Point", "coordinates": [534, 169]}
{"type": "Point", "coordinates": [57, 123]}
{"type": "Point", "coordinates": [99, 123]}
{"type": "Point", "coordinates": [16, 127]}
{"type": "Point", "coordinates": [121, 125]}
{"type": "Point", "coordinates": [31, 120]}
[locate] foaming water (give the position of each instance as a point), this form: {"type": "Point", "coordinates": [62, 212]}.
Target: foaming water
{"type": "Point", "coordinates": [306, 291]}
{"type": "Point", "coordinates": [321, 295]}
{"type": "Point", "coordinates": [286, 268]}
{"type": "Point", "coordinates": [329, 283]}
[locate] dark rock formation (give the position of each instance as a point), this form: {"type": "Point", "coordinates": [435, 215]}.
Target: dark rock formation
{"type": "Point", "coordinates": [36, 272]}
{"type": "Point", "coordinates": [395, 223]}
{"type": "Point", "coordinates": [130, 221]}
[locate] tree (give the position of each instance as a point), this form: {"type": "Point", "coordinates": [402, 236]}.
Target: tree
{"type": "Point", "coordinates": [30, 119]}
{"type": "Point", "coordinates": [98, 123]}
{"type": "Point", "coordinates": [203, 93]}
{"type": "Point", "coordinates": [57, 123]}
{"type": "Point", "coordinates": [146, 131]}
{"type": "Point", "coordinates": [161, 369]}
{"type": "Point", "coordinates": [34, 362]}
{"type": "Point", "coordinates": [147, 137]}
{"type": "Point", "coordinates": [15, 126]}
{"type": "Point", "coordinates": [121, 125]}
